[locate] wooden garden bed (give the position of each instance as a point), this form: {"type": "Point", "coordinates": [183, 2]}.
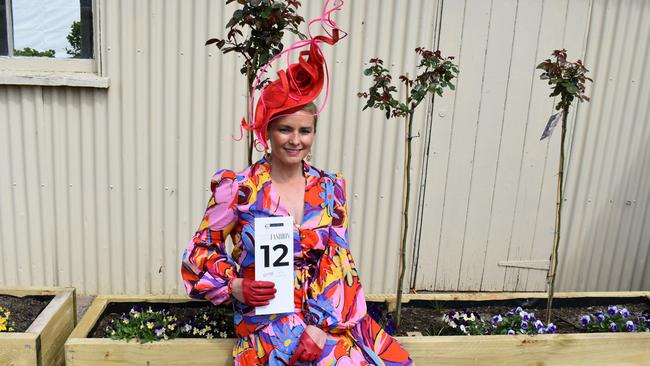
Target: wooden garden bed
{"type": "Point", "coordinates": [80, 350]}
{"type": "Point", "coordinates": [542, 349]}
{"type": "Point", "coordinates": [42, 343]}
{"type": "Point", "coordinates": [551, 349]}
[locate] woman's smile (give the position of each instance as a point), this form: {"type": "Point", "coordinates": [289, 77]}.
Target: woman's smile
{"type": "Point", "coordinates": [291, 137]}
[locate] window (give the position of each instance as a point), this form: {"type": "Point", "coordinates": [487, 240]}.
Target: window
{"type": "Point", "coordinates": [54, 39]}
{"type": "Point", "coordinates": [51, 28]}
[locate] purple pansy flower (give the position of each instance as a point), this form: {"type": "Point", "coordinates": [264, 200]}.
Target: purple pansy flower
{"type": "Point", "coordinates": [612, 310]}
{"type": "Point", "coordinates": [613, 327]}
{"type": "Point", "coordinates": [511, 332]}
{"type": "Point", "coordinates": [497, 319]}
{"type": "Point", "coordinates": [600, 316]}
{"type": "Point", "coordinates": [585, 320]}
{"type": "Point", "coordinates": [539, 325]}
{"type": "Point", "coordinates": [524, 325]}
{"type": "Point", "coordinates": [159, 330]}
{"type": "Point", "coordinates": [624, 313]}
{"type": "Point", "coordinates": [630, 326]}
{"type": "Point", "coordinates": [551, 328]}
{"type": "Point", "coordinates": [643, 320]}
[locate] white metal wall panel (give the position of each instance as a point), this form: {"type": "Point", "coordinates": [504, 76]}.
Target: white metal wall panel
{"type": "Point", "coordinates": [606, 238]}
{"type": "Point", "coordinates": [490, 186]}
{"type": "Point", "coordinates": [102, 189]}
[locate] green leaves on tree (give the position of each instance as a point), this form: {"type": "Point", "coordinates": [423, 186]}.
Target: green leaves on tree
{"type": "Point", "coordinates": [435, 74]}
{"type": "Point", "coordinates": [566, 78]}
{"type": "Point", "coordinates": [264, 22]}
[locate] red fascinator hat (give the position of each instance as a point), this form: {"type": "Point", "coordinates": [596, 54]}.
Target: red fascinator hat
{"type": "Point", "coordinates": [300, 83]}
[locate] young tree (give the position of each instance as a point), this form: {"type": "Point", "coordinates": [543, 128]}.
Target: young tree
{"type": "Point", "coordinates": [436, 74]}
{"type": "Point", "coordinates": [265, 23]}
{"type": "Point", "coordinates": [568, 81]}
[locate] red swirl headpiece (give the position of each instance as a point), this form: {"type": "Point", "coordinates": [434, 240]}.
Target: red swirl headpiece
{"type": "Point", "coordinates": [300, 84]}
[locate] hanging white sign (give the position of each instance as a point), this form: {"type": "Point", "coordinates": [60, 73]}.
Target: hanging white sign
{"type": "Point", "coordinates": [550, 125]}
{"type": "Point", "coordinates": [274, 261]}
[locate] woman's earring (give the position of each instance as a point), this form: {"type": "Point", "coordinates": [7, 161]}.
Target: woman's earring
{"type": "Point", "coordinates": [309, 156]}
{"type": "Point", "coordinates": [267, 154]}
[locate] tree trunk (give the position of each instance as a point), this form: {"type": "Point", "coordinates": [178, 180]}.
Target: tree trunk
{"type": "Point", "coordinates": [558, 220]}
{"type": "Point", "coordinates": [405, 218]}
{"type": "Point", "coordinates": [250, 141]}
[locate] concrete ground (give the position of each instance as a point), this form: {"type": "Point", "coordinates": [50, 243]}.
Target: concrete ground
{"type": "Point", "coordinates": [83, 302]}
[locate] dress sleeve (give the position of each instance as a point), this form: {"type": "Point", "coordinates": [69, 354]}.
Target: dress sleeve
{"type": "Point", "coordinates": [206, 266]}
{"type": "Point", "coordinates": [336, 301]}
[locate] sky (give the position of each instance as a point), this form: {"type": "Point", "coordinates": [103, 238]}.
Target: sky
{"type": "Point", "coordinates": [44, 24]}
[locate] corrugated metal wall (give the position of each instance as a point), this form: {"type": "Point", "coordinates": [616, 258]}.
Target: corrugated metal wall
{"type": "Point", "coordinates": [102, 189]}
{"type": "Point", "coordinates": [607, 230]}
{"type": "Point", "coordinates": [490, 193]}
{"type": "Point", "coordinates": [491, 184]}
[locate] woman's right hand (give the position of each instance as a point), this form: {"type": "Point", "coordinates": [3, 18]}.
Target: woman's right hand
{"type": "Point", "coordinates": [251, 292]}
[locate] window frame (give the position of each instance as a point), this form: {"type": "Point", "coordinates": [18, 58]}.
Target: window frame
{"type": "Point", "coordinates": [17, 70]}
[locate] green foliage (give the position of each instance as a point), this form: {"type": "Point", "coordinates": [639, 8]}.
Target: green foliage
{"type": "Point", "coordinates": [614, 320]}
{"type": "Point", "coordinates": [30, 52]}
{"type": "Point", "coordinates": [264, 21]}
{"type": "Point", "coordinates": [464, 322]}
{"type": "Point", "coordinates": [144, 325]}
{"type": "Point", "coordinates": [567, 78]}
{"type": "Point", "coordinates": [150, 325]}
{"type": "Point", "coordinates": [519, 321]}
{"type": "Point", "coordinates": [6, 324]}
{"type": "Point", "coordinates": [74, 39]}
{"type": "Point", "coordinates": [436, 74]}
{"type": "Point", "coordinates": [209, 324]}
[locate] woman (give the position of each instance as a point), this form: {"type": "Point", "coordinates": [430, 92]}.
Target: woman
{"type": "Point", "coordinates": [329, 324]}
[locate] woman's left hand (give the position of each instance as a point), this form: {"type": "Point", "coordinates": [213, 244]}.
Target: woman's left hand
{"type": "Point", "coordinates": [310, 348]}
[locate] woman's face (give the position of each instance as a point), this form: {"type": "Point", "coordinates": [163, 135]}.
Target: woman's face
{"type": "Point", "coordinates": [291, 137]}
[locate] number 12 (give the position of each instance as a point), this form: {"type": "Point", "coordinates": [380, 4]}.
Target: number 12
{"type": "Point", "coordinates": [278, 262]}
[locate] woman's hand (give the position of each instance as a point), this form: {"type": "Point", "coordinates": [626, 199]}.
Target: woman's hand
{"type": "Point", "coordinates": [251, 292]}
{"type": "Point", "coordinates": [310, 348]}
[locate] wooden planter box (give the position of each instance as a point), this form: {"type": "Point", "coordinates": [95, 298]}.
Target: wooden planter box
{"type": "Point", "coordinates": [542, 349]}
{"type": "Point", "coordinates": [552, 349]}
{"type": "Point", "coordinates": [80, 350]}
{"type": "Point", "coordinates": [42, 343]}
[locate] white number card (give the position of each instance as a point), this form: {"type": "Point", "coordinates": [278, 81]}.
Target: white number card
{"type": "Point", "coordinates": [274, 261]}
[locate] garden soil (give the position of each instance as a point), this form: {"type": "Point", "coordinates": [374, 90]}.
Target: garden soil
{"type": "Point", "coordinates": [426, 316]}
{"type": "Point", "coordinates": [183, 311]}
{"type": "Point", "coordinates": [24, 310]}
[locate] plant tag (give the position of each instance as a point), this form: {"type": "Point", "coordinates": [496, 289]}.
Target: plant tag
{"type": "Point", "coordinates": [550, 125]}
{"type": "Point", "coordinates": [274, 261]}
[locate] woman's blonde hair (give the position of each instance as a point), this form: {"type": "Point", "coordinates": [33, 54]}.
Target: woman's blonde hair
{"type": "Point", "coordinates": [309, 108]}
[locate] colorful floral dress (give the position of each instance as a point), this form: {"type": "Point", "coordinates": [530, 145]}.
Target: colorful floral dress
{"type": "Point", "coordinates": [326, 281]}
